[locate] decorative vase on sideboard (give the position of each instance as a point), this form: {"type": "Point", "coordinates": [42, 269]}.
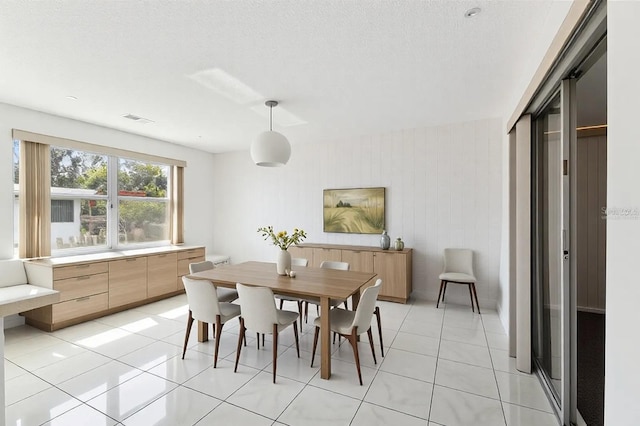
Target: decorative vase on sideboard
{"type": "Point", "coordinates": [399, 244]}
{"type": "Point", "coordinates": [385, 241]}
{"type": "Point", "coordinates": [283, 263]}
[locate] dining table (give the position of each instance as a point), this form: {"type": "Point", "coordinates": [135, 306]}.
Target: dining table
{"type": "Point", "coordinates": [309, 282]}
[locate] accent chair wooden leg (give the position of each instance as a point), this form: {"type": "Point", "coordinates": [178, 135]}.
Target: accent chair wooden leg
{"type": "Point", "coordinates": [471, 297]}
{"type": "Point", "coordinates": [315, 344]}
{"type": "Point", "coordinates": [258, 340]}
{"type": "Point", "coordinates": [376, 311]}
{"type": "Point", "coordinates": [241, 336]}
{"type": "Point", "coordinates": [440, 293]}
{"type": "Point", "coordinates": [218, 333]}
{"type": "Point", "coordinates": [275, 350]}
{"type": "Point", "coordinates": [475, 294]}
{"type": "Point", "coordinates": [186, 337]}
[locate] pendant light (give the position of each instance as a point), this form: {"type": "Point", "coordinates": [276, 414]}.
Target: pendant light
{"type": "Point", "coordinates": [270, 149]}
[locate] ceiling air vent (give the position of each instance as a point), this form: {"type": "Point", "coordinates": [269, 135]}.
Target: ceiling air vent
{"type": "Point", "coordinates": [138, 119]}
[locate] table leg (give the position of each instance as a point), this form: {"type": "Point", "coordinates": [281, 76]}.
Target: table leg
{"type": "Point", "coordinates": [355, 299]}
{"type": "Point", "coordinates": [325, 339]}
{"type": "Point", "coordinates": [203, 331]}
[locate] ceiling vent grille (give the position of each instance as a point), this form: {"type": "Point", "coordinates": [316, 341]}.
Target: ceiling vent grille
{"type": "Point", "coordinates": [138, 119]}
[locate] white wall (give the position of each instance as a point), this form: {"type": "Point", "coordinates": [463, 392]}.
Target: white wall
{"type": "Point", "coordinates": [443, 188]}
{"type": "Point", "coordinates": [198, 174]}
{"type": "Point", "coordinates": [622, 350]}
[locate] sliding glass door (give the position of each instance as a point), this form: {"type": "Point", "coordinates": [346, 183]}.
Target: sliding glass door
{"type": "Point", "coordinates": [552, 285]}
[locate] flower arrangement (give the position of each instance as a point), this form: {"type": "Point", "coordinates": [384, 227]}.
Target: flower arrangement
{"type": "Point", "coordinates": [282, 239]}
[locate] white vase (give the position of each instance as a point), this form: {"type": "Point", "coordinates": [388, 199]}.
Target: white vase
{"type": "Point", "coordinates": [283, 263]}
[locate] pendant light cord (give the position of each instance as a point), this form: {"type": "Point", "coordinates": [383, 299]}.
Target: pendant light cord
{"type": "Point", "coordinates": [271, 118]}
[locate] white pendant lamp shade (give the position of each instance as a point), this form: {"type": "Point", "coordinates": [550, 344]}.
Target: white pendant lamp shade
{"type": "Point", "coordinates": [270, 149]}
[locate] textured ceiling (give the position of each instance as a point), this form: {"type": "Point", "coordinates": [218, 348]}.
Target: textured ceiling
{"type": "Point", "coordinates": [342, 68]}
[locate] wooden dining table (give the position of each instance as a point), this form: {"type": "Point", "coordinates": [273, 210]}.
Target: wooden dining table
{"type": "Point", "coordinates": [321, 283]}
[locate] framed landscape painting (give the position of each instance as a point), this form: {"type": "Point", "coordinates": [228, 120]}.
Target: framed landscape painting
{"type": "Point", "coordinates": [353, 210]}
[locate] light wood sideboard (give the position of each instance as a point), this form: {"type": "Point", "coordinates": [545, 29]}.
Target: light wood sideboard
{"type": "Point", "coordinates": [95, 285]}
{"type": "Point", "coordinates": [393, 267]}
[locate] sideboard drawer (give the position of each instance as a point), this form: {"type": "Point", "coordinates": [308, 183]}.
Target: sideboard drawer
{"type": "Point", "coordinates": [63, 272]}
{"type": "Point", "coordinates": [73, 309]}
{"type": "Point", "coordinates": [191, 253]}
{"type": "Point", "coordinates": [85, 285]}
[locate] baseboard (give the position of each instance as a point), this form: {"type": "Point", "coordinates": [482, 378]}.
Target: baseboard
{"type": "Point", "coordinates": [13, 321]}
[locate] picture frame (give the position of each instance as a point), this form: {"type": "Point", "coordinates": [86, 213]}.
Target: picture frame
{"type": "Point", "coordinates": [354, 210]}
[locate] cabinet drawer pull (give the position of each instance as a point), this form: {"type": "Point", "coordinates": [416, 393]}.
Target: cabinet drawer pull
{"type": "Point", "coordinates": [82, 299]}
{"type": "Point", "coordinates": [82, 278]}
{"type": "Point", "coordinates": [83, 266]}
{"type": "Point", "coordinates": [163, 255]}
{"type": "Point", "coordinates": [132, 260]}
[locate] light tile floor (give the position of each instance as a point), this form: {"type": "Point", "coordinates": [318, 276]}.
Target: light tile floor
{"type": "Point", "coordinates": [444, 366]}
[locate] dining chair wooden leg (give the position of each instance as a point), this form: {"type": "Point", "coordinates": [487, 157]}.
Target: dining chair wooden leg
{"type": "Point", "coordinates": [258, 340]}
{"type": "Point", "coordinates": [373, 351]}
{"type": "Point", "coordinates": [471, 297]}
{"type": "Point", "coordinates": [444, 292]}
{"type": "Point", "coordinates": [186, 337]}
{"type": "Point", "coordinates": [306, 312]}
{"type": "Point", "coordinates": [440, 293]}
{"type": "Point", "coordinates": [275, 350]}
{"type": "Point", "coordinates": [315, 344]}
{"type": "Point", "coordinates": [245, 336]}
{"type": "Point", "coordinates": [354, 344]}
{"type": "Point", "coordinates": [295, 334]}
{"type": "Point", "coordinates": [263, 340]}
{"type": "Point", "coordinates": [475, 294]}
{"type": "Point", "coordinates": [239, 348]}
{"type": "Point", "coordinates": [217, 345]}
{"type": "Point", "coordinates": [376, 311]}
{"type": "Point", "coordinates": [299, 313]}
{"type": "Point", "coordinates": [281, 303]}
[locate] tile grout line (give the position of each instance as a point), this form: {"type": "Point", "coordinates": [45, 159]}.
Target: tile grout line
{"type": "Point", "coordinates": [377, 370]}
{"type": "Point", "coordinates": [495, 377]}
{"type": "Point", "coordinates": [435, 371]}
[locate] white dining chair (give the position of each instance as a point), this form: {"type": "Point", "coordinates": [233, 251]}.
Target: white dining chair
{"type": "Point", "coordinates": [302, 262]}
{"type": "Point", "coordinates": [224, 294]}
{"type": "Point", "coordinates": [351, 324]}
{"type": "Point", "coordinates": [204, 306]}
{"type": "Point", "coordinates": [259, 314]}
{"type": "Point", "coordinates": [327, 264]}
{"type": "Point", "coordinates": [458, 269]}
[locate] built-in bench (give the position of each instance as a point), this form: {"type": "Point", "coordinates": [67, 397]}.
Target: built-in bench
{"type": "Point", "coordinates": [17, 295]}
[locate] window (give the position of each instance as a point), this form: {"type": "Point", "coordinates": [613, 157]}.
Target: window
{"type": "Point", "coordinates": [79, 180]}
{"type": "Point", "coordinates": [16, 195]}
{"type": "Point", "coordinates": [100, 197]}
{"type": "Point", "coordinates": [61, 211]}
{"type": "Point", "coordinates": [105, 201]}
{"type": "Point", "coordinates": [143, 206]}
